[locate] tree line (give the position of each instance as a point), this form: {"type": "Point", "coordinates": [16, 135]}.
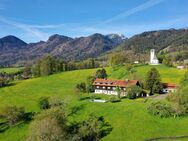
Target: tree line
{"type": "Point", "coordinates": [7, 78]}
{"type": "Point", "coordinates": [49, 65]}
{"type": "Point", "coordinates": [46, 66]}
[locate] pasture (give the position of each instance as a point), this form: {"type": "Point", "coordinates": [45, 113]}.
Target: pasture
{"type": "Point", "coordinates": [129, 118]}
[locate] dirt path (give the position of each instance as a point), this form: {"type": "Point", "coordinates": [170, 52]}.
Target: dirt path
{"type": "Point", "coordinates": [158, 97]}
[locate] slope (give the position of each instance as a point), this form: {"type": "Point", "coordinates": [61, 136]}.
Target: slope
{"type": "Point", "coordinates": [129, 118]}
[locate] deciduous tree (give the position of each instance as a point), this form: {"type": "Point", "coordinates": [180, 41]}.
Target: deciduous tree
{"type": "Point", "coordinates": [153, 81]}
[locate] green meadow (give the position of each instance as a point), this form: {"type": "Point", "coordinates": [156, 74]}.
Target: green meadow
{"type": "Point", "coordinates": [168, 74]}
{"type": "Point", "coordinates": [129, 118]}
{"type": "Point", "coordinates": [10, 70]}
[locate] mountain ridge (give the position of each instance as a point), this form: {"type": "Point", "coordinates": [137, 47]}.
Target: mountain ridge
{"type": "Point", "coordinates": [173, 42]}
{"type": "Point", "coordinates": [64, 47]}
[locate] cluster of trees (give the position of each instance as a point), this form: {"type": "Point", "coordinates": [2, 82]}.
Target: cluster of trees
{"type": "Point", "coordinates": [126, 57]}
{"type": "Point", "coordinates": [49, 65]}
{"type": "Point", "coordinates": [166, 59]}
{"type": "Point", "coordinates": [152, 83]}
{"type": "Point", "coordinates": [177, 102]}
{"type": "Point", "coordinates": [170, 59]}
{"type": "Point", "coordinates": [7, 78]}
{"type": "Point", "coordinates": [46, 102]}
{"type": "Point", "coordinates": [4, 79]}
{"type": "Point", "coordinates": [13, 115]}
{"type": "Point", "coordinates": [134, 92]}
{"type": "Point", "coordinates": [53, 124]}
{"type": "Point", "coordinates": [101, 73]}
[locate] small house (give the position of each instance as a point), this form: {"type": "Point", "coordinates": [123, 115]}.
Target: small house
{"type": "Point", "coordinates": [169, 88]}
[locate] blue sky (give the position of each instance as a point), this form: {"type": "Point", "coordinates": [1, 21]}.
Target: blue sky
{"type": "Point", "coordinates": [35, 20]}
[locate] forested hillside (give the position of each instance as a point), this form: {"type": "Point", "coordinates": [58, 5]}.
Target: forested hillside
{"type": "Point", "coordinates": [171, 44]}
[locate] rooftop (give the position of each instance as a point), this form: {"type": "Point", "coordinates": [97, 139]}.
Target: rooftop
{"type": "Point", "coordinates": [110, 82]}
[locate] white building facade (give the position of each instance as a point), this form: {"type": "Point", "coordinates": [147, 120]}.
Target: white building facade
{"type": "Point", "coordinates": [109, 87]}
{"type": "Point", "coordinates": [153, 58]}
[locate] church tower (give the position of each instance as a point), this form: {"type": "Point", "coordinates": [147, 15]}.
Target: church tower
{"type": "Point", "coordinates": [153, 58]}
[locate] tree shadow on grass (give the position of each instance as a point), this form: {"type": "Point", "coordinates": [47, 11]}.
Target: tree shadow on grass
{"type": "Point", "coordinates": [85, 98]}
{"type": "Point", "coordinates": [76, 109]}
{"type": "Point", "coordinates": [106, 129]}
{"type": "Point", "coordinates": [9, 85]}
{"type": "Point", "coordinates": [25, 120]}
{"type": "Point", "coordinates": [3, 126]}
{"type": "Point", "coordinates": [168, 138]}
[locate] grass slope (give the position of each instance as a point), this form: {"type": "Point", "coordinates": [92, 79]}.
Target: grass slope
{"type": "Point", "coordinates": [171, 75]}
{"type": "Point", "coordinates": [129, 118]}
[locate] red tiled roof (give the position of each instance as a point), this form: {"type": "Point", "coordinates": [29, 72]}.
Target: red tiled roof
{"type": "Point", "coordinates": [109, 82]}
{"type": "Point", "coordinates": [169, 85]}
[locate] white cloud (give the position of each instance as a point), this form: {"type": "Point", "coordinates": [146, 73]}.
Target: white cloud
{"type": "Point", "coordinates": [33, 31]}
{"type": "Point", "coordinates": [134, 10]}
{"type": "Point", "coordinates": [47, 26]}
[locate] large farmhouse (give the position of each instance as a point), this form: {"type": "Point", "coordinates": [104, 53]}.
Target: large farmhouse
{"type": "Point", "coordinates": [107, 86]}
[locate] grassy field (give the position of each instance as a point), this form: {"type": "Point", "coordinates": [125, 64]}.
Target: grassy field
{"type": "Point", "coordinates": [171, 75]}
{"type": "Point", "coordinates": [129, 118]}
{"type": "Point", "coordinates": [10, 70]}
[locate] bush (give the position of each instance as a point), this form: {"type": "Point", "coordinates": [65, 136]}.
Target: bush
{"type": "Point", "coordinates": [179, 110]}
{"type": "Point", "coordinates": [131, 95]}
{"type": "Point", "coordinates": [180, 101]}
{"type": "Point", "coordinates": [115, 99]}
{"type": "Point", "coordinates": [172, 98]}
{"type": "Point", "coordinates": [44, 103]}
{"type": "Point", "coordinates": [161, 109]}
{"type": "Point", "coordinates": [81, 87]}
{"type": "Point", "coordinates": [93, 128]}
{"type": "Point", "coordinates": [49, 125]}
{"type": "Point", "coordinates": [134, 92]}
{"type": "Point", "coordinates": [55, 101]}
{"type": "Point", "coordinates": [13, 114]}
{"type": "Point", "coordinates": [4, 79]}
{"type": "Point", "coordinates": [101, 73]}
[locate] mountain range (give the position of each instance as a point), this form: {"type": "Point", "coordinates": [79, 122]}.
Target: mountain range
{"type": "Point", "coordinates": [15, 51]}
{"type": "Point", "coordinates": [171, 42]}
